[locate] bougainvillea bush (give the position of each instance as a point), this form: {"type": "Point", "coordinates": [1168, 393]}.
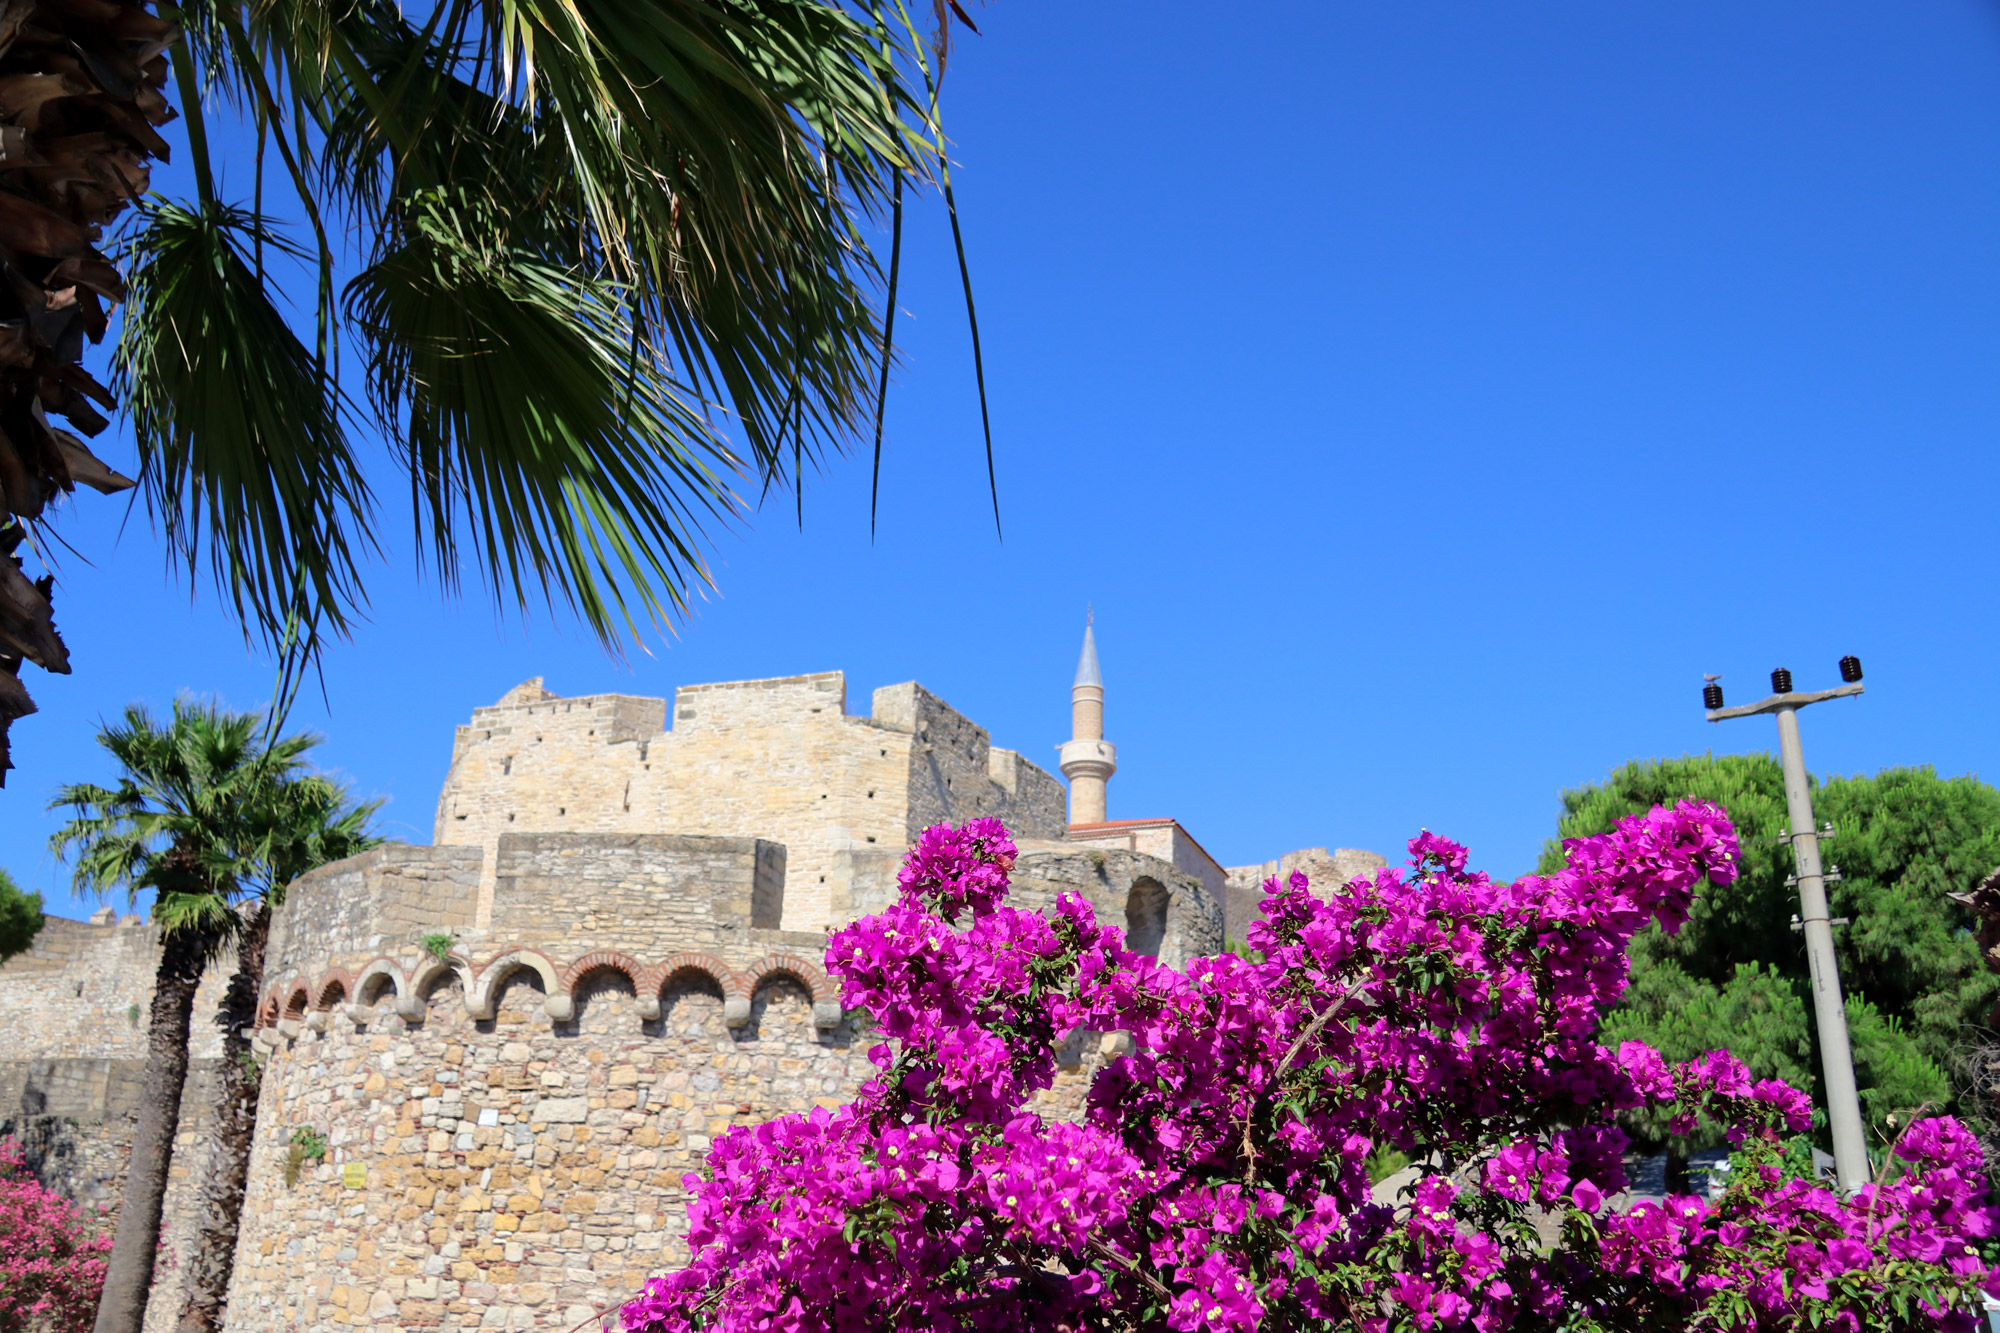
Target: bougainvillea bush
{"type": "Point", "coordinates": [1217, 1181]}
{"type": "Point", "coordinates": [51, 1260]}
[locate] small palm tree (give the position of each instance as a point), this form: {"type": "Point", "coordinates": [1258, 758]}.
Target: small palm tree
{"type": "Point", "coordinates": [205, 814]}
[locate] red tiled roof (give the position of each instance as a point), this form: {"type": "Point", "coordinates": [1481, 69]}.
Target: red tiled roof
{"type": "Point", "coordinates": [1112, 825]}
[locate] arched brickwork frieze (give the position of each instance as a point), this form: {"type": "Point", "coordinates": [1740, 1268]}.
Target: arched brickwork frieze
{"type": "Point", "coordinates": [485, 989]}
{"type": "Point", "coordinates": [297, 1003]}
{"type": "Point", "coordinates": [596, 958]}
{"type": "Point", "coordinates": [333, 988]}
{"type": "Point", "coordinates": [779, 964]}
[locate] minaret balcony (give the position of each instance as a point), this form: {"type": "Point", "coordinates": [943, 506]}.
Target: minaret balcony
{"type": "Point", "coordinates": [1090, 759]}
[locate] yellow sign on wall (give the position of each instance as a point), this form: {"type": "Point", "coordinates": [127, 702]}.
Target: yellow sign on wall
{"type": "Point", "coordinates": [354, 1175]}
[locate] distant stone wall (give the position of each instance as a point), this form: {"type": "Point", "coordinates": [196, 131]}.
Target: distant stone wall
{"type": "Point", "coordinates": [778, 758]}
{"type": "Point", "coordinates": [1325, 871]}
{"type": "Point", "coordinates": [73, 1120]}
{"type": "Point", "coordinates": [84, 990]}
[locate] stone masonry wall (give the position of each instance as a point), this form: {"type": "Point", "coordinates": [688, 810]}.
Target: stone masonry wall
{"type": "Point", "coordinates": [781, 759]}
{"type": "Point", "coordinates": [84, 990]}
{"type": "Point", "coordinates": [73, 1119]}
{"type": "Point", "coordinates": [510, 1173]}
{"type": "Point", "coordinates": [1325, 871]}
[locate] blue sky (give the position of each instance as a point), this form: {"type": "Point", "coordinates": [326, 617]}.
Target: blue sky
{"type": "Point", "coordinates": [1425, 396]}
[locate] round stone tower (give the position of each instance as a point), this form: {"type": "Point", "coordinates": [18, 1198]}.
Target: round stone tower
{"type": "Point", "coordinates": [1088, 760]}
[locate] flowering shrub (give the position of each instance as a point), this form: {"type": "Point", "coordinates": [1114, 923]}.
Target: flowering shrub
{"type": "Point", "coordinates": [51, 1265]}
{"type": "Point", "coordinates": [1218, 1181]}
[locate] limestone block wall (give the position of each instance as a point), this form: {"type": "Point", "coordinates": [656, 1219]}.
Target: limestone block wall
{"type": "Point", "coordinates": [348, 933]}
{"type": "Point", "coordinates": [383, 900]}
{"type": "Point", "coordinates": [511, 1172]}
{"type": "Point", "coordinates": [1325, 870]}
{"type": "Point", "coordinates": [1164, 838]}
{"type": "Point", "coordinates": [779, 759]}
{"type": "Point", "coordinates": [1163, 910]}
{"type": "Point", "coordinates": [84, 990]}
{"type": "Point", "coordinates": [73, 1119]}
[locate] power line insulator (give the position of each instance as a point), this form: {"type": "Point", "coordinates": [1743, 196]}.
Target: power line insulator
{"type": "Point", "coordinates": [1711, 697]}
{"type": "Point", "coordinates": [1781, 681]}
{"type": "Point", "coordinates": [1850, 669]}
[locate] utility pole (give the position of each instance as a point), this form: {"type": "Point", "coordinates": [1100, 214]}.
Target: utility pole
{"type": "Point", "coordinates": [1850, 1146]}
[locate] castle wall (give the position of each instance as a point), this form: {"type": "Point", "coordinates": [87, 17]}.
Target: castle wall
{"type": "Point", "coordinates": [72, 1070]}
{"type": "Point", "coordinates": [73, 1120]}
{"type": "Point", "coordinates": [1325, 871]}
{"type": "Point", "coordinates": [84, 989]}
{"type": "Point", "coordinates": [780, 759]}
{"type": "Point", "coordinates": [518, 1121]}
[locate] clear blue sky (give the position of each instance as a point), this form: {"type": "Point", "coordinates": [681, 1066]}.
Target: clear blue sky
{"type": "Point", "coordinates": [1425, 395]}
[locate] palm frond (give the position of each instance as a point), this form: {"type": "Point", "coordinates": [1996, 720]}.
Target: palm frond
{"type": "Point", "coordinates": [242, 443]}
{"type": "Point", "coordinates": [578, 468]}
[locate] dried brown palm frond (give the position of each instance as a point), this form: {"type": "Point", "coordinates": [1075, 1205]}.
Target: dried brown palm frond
{"type": "Point", "coordinates": [80, 101]}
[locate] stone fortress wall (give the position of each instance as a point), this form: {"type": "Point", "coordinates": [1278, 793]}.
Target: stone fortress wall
{"type": "Point", "coordinates": [780, 758]}
{"type": "Point", "coordinates": [637, 920]}
{"type": "Point", "coordinates": [72, 1070]}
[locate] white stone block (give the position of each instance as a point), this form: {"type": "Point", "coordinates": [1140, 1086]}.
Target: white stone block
{"type": "Point", "coordinates": [562, 1110]}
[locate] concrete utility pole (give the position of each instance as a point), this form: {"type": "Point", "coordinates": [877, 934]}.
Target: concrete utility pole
{"type": "Point", "coordinates": [1850, 1145]}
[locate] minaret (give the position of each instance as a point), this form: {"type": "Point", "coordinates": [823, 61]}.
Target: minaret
{"type": "Point", "coordinates": [1088, 761]}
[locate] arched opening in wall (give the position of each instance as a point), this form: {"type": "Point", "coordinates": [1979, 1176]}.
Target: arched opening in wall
{"type": "Point", "coordinates": [1146, 917]}
{"type": "Point", "coordinates": [604, 998]}
{"type": "Point", "coordinates": [520, 999]}
{"type": "Point", "coordinates": [444, 999]}
{"type": "Point", "coordinates": [376, 991]}
{"type": "Point", "coordinates": [295, 1008]}
{"type": "Point", "coordinates": [333, 994]}
{"type": "Point", "coordinates": [691, 1005]}
{"type": "Point", "coordinates": [268, 1014]}
{"type": "Point", "coordinates": [780, 1010]}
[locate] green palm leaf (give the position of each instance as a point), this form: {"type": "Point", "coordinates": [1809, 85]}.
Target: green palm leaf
{"type": "Point", "coordinates": [239, 426]}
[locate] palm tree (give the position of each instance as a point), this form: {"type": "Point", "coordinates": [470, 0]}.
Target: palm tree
{"type": "Point", "coordinates": [607, 264]}
{"type": "Point", "coordinates": [295, 824]}
{"type": "Point", "coordinates": [204, 811]}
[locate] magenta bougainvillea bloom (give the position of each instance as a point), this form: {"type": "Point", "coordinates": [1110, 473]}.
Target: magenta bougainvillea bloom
{"type": "Point", "coordinates": [1218, 1179]}
{"type": "Point", "coordinates": [51, 1260]}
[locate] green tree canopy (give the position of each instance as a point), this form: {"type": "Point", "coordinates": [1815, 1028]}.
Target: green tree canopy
{"type": "Point", "coordinates": [1736, 977]}
{"type": "Point", "coordinates": [20, 917]}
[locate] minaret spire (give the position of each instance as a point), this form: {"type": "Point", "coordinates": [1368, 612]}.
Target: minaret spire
{"type": "Point", "coordinates": [1088, 760]}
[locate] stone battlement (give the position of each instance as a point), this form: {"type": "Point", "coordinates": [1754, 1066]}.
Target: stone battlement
{"type": "Point", "coordinates": [779, 758]}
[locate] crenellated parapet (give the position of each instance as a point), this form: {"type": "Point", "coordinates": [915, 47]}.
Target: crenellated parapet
{"type": "Point", "coordinates": [309, 999]}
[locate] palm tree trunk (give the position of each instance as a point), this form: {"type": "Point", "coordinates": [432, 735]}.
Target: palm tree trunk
{"type": "Point", "coordinates": [221, 1198]}
{"type": "Point", "coordinates": [129, 1274]}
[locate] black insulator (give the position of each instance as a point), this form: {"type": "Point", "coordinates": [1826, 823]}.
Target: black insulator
{"type": "Point", "coordinates": [1781, 681]}
{"type": "Point", "coordinates": [1711, 697]}
{"type": "Point", "coordinates": [1850, 669]}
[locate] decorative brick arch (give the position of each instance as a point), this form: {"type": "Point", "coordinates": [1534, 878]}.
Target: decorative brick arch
{"type": "Point", "coordinates": [298, 1001]}
{"type": "Point", "coordinates": [413, 1002]}
{"type": "Point", "coordinates": [652, 981]}
{"type": "Point", "coordinates": [605, 958]}
{"type": "Point", "coordinates": [780, 964]}
{"type": "Point", "coordinates": [336, 978]}
{"type": "Point", "coordinates": [611, 960]}
{"type": "Point", "coordinates": [267, 1012]}
{"type": "Point", "coordinates": [379, 966]}
{"type": "Point", "coordinates": [481, 997]}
